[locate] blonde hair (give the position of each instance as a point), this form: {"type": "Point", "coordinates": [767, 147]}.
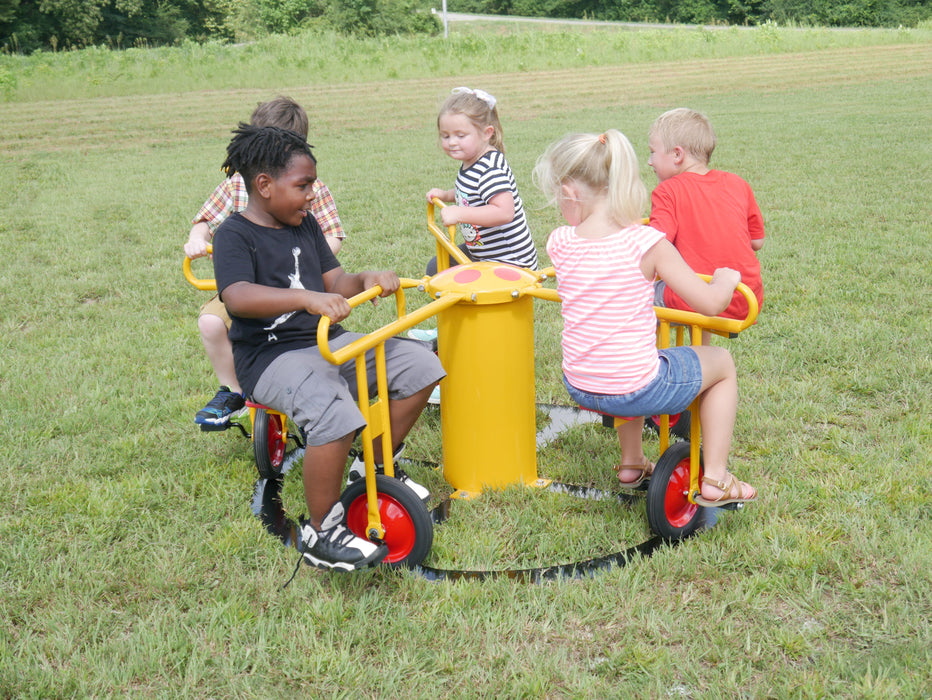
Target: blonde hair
{"type": "Point", "coordinates": [686, 128]}
{"type": "Point", "coordinates": [478, 111]}
{"type": "Point", "coordinates": [605, 163]}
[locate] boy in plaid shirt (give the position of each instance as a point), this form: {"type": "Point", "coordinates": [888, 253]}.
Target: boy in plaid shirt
{"type": "Point", "coordinates": [230, 196]}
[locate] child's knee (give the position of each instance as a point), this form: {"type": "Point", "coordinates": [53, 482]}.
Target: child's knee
{"type": "Point", "coordinates": [716, 362]}
{"type": "Point", "coordinates": [211, 326]}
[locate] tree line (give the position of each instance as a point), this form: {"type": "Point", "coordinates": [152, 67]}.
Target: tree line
{"type": "Point", "coordinates": [30, 25]}
{"type": "Point", "coordinates": [821, 13]}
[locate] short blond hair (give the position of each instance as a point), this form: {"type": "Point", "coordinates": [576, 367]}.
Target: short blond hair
{"type": "Point", "coordinates": [690, 130]}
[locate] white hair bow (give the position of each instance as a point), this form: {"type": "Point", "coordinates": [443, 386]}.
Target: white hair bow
{"type": "Point", "coordinates": [481, 94]}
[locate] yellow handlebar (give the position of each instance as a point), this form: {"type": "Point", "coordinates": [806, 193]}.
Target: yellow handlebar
{"type": "Point", "coordinates": [403, 323]}
{"type": "Point", "coordinates": [207, 285]}
{"type": "Point", "coordinates": [445, 241]}
{"type": "Point", "coordinates": [686, 318]}
{"type": "Point", "coordinates": [715, 323]}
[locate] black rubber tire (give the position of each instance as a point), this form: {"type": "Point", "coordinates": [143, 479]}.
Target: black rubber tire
{"type": "Point", "coordinates": [409, 530]}
{"type": "Point", "coordinates": [268, 445]}
{"type": "Point", "coordinates": [669, 512]}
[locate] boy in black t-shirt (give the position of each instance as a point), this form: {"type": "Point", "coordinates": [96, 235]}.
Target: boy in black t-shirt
{"type": "Point", "coordinates": [277, 276]}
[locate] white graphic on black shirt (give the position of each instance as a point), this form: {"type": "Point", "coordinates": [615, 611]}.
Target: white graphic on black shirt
{"type": "Point", "coordinates": [295, 280]}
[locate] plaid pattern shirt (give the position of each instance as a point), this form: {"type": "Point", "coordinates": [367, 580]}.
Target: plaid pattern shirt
{"type": "Point", "coordinates": [230, 196]}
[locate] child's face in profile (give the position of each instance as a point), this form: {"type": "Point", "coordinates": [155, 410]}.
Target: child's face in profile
{"type": "Point", "coordinates": [661, 160]}
{"type": "Point", "coordinates": [292, 193]}
{"type": "Point", "coordinates": [461, 140]}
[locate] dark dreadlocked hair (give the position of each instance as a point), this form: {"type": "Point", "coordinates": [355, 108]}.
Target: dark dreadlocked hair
{"type": "Point", "coordinates": [262, 149]}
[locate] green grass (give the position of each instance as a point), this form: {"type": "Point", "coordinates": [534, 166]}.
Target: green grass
{"type": "Point", "coordinates": [130, 561]}
{"type": "Point", "coordinates": [329, 59]}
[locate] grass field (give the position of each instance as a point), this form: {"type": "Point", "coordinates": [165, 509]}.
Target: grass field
{"type": "Point", "coordinates": [132, 566]}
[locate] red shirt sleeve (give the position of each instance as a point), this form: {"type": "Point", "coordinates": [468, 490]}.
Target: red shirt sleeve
{"type": "Point", "coordinates": [662, 215]}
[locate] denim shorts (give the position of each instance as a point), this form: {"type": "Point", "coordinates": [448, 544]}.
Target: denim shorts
{"type": "Point", "coordinates": [677, 383]}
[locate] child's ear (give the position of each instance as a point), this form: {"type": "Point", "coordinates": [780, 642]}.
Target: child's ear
{"type": "Point", "coordinates": [489, 132]}
{"type": "Point", "coordinates": [679, 154]}
{"type": "Point", "coordinates": [568, 191]}
{"type": "Point", "coordinates": [262, 185]}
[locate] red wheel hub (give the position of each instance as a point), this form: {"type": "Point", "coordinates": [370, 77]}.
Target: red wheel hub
{"type": "Point", "coordinates": [276, 441]}
{"type": "Point", "coordinates": [676, 502]}
{"type": "Point", "coordinates": [399, 527]}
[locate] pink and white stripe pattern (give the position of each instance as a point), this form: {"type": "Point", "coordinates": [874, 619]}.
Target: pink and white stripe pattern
{"type": "Point", "coordinates": [609, 326]}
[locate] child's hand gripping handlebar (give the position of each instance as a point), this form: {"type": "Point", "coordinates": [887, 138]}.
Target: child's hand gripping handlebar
{"type": "Point", "coordinates": [445, 241]}
{"type": "Point", "coordinates": [403, 322]}
{"type": "Point", "coordinates": [205, 284]}
{"type": "Point", "coordinates": [716, 324]}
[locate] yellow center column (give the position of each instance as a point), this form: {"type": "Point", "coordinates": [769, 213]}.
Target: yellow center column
{"type": "Point", "coordinates": [487, 407]}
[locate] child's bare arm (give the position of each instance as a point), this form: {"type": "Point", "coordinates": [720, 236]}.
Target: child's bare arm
{"type": "Point", "coordinates": [335, 244]}
{"type": "Point", "coordinates": [347, 284]}
{"type": "Point", "coordinates": [757, 244]}
{"type": "Point", "coordinates": [709, 299]}
{"type": "Point", "coordinates": [198, 240]}
{"type": "Point", "coordinates": [251, 300]}
{"type": "Point", "coordinates": [218, 207]}
{"type": "Point", "coordinates": [499, 211]}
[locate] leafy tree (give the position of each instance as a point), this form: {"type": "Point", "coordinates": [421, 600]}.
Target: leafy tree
{"type": "Point", "coordinates": [381, 17]}
{"type": "Point", "coordinates": [75, 22]}
{"type": "Point", "coordinates": [8, 10]}
{"type": "Point", "coordinates": [283, 16]}
{"type": "Point", "coordinates": [359, 17]}
{"type": "Point", "coordinates": [28, 25]}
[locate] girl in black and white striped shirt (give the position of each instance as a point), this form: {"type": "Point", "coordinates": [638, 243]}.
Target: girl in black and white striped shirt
{"type": "Point", "coordinates": [487, 206]}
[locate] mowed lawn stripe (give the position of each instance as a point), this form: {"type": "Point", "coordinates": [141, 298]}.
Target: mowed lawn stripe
{"type": "Point", "coordinates": [131, 121]}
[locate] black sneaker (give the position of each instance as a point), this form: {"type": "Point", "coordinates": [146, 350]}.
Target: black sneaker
{"type": "Point", "coordinates": [357, 471]}
{"type": "Point", "coordinates": [335, 547]}
{"type": "Point", "coordinates": [216, 414]}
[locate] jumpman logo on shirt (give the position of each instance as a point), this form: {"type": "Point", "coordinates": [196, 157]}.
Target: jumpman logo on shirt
{"type": "Point", "coordinates": [295, 283]}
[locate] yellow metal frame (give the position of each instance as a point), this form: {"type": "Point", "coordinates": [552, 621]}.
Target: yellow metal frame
{"type": "Point", "coordinates": [445, 296]}
{"type": "Point", "coordinates": [210, 285]}
{"type": "Point", "coordinates": [675, 322]}
{"type": "Point", "coordinates": [206, 285]}
{"type": "Point", "coordinates": [375, 412]}
{"type": "Point", "coordinates": [446, 240]}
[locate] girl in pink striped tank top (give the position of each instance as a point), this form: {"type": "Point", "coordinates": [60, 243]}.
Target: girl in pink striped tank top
{"type": "Point", "coordinates": [606, 263]}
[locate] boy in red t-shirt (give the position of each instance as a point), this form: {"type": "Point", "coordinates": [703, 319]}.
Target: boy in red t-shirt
{"type": "Point", "coordinates": [710, 216]}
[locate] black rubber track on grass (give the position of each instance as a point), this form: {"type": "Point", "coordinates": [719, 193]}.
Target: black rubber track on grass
{"type": "Point", "coordinates": [267, 506]}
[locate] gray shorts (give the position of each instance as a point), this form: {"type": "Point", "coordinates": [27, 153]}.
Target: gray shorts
{"type": "Point", "coordinates": [321, 397]}
{"type": "Point", "coordinates": [659, 286]}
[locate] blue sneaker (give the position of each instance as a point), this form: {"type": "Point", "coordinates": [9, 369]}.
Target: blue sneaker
{"type": "Point", "coordinates": [426, 335]}
{"type": "Point", "coordinates": [216, 414]}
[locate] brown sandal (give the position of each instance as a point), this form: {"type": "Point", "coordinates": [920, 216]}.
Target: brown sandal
{"type": "Point", "coordinates": [726, 488]}
{"type": "Point", "coordinates": [646, 467]}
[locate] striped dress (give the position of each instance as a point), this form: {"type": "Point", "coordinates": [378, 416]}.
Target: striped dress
{"type": "Point", "coordinates": [609, 325]}
{"type": "Point", "coordinates": [475, 186]}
